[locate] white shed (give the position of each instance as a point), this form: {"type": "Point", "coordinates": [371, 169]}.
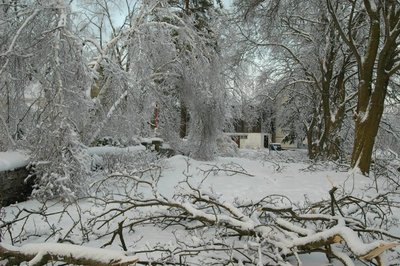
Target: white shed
{"type": "Point", "coordinates": [251, 140]}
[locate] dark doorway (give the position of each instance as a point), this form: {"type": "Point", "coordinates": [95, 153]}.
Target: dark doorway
{"type": "Point", "coordinates": [265, 141]}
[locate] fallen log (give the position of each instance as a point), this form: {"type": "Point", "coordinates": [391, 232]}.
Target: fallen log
{"type": "Point", "coordinates": [40, 254]}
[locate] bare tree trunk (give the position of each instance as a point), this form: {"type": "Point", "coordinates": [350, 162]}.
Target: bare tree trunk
{"type": "Point", "coordinates": [371, 99]}
{"type": "Point", "coordinates": [310, 132]}
{"type": "Point", "coordinates": [377, 60]}
{"type": "Point", "coordinates": [310, 145]}
{"type": "Point", "coordinates": [273, 130]}
{"type": "Point", "coordinates": [367, 125]}
{"type": "Point", "coordinates": [183, 125]}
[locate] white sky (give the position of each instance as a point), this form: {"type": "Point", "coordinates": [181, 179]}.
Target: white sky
{"type": "Point", "coordinates": [227, 3]}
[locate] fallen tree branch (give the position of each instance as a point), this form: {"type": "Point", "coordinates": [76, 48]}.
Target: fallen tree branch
{"type": "Point", "coordinates": [229, 169]}
{"type": "Point", "coordinates": [270, 230]}
{"type": "Point", "coordinates": [119, 232]}
{"type": "Point", "coordinates": [40, 254]}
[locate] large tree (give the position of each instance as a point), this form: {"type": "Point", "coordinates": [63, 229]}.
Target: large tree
{"type": "Point", "coordinates": [371, 29]}
{"type": "Point", "coordinates": [309, 71]}
{"type": "Point", "coordinates": [43, 78]}
{"type": "Point", "coordinates": [178, 62]}
{"type": "Point", "coordinates": [324, 47]}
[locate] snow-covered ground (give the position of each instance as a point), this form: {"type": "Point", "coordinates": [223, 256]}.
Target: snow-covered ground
{"type": "Point", "coordinates": [248, 177]}
{"type": "Point", "coordinates": [275, 176]}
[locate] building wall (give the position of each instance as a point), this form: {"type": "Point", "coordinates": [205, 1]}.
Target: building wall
{"type": "Point", "coordinates": [256, 140]}
{"type": "Point", "coordinates": [252, 141]}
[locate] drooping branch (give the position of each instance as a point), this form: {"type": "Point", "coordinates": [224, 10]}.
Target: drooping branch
{"type": "Point", "coordinates": [110, 113]}
{"type": "Point", "coordinates": [15, 38]}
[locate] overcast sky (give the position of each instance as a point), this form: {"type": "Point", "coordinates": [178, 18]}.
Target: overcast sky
{"type": "Point", "coordinates": [227, 3]}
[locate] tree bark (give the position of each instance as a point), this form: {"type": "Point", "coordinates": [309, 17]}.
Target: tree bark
{"type": "Point", "coordinates": [183, 125]}
{"type": "Point", "coordinates": [375, 70]}
{"type": "Point", "coordinates": [374, 79]}
{"type": "Point", "coordinates": [367, 125]}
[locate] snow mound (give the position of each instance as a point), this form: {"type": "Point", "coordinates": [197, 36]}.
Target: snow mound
{"type": "Point", "coordinates": [13, 160]}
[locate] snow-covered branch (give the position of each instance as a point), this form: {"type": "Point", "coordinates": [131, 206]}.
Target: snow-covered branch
{"type": "Point", "coordinates": [270, 230]}
{"type": "Point", "coordinates": [40, 254]}
{"type": "Point", "coordinates": [15, 38]}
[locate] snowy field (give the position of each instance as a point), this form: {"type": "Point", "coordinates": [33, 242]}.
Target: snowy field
{"type": "Point", "coordinates": [245, 179]}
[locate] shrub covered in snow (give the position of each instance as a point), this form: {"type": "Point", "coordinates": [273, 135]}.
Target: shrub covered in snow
{"type": "Point", "coordinates": [61, 163]}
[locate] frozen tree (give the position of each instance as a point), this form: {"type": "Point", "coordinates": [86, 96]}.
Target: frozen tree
{"type": "Point", "coordinates": [201, 87]}
{"type": "Point", "coordinates": [164, 57]}
{"type": "Point", "coordinates": [308, 71]}
{"type": "Point", "coordinates": [43, 61]}
{"type": "Point", "coordinates": [45, 79]}
{"type": "Point", "coordinates": [15, 23]}
{"type": "Point", "coordinates": [177, 62]}
{"type": "Point", "coordinates": [120, 109]}
{"type": "Point", "coordinates": [358, 52]}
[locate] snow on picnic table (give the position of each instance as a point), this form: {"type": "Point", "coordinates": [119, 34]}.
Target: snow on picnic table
{"type": "Point", "coordinates": [11, 160]}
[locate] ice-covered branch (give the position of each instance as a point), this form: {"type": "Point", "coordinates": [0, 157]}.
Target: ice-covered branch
{"type": "Point", "coordinates": [114, 107]}
{"type": "Point", "coordinates": [15, 38]}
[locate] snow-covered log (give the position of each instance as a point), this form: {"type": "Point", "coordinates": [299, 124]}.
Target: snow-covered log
{"type": "Point", "coordinates": [40, 254]}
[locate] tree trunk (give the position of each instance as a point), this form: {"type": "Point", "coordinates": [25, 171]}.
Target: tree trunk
{"type": "Point", "coordinates": [371, 99]}
{"type": "Point", "coordinates": [367, 124]}
{"type": "Point", "coordinates": [363, 146]}
{"type": "Point", "coordinates": [273, 130]}
{"type": "Point", "coordinates": [310, 137]}
{"type": "Point", "coordinates": [183, 125]}
{"type": "Point", "coordinates": [369, 111]}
